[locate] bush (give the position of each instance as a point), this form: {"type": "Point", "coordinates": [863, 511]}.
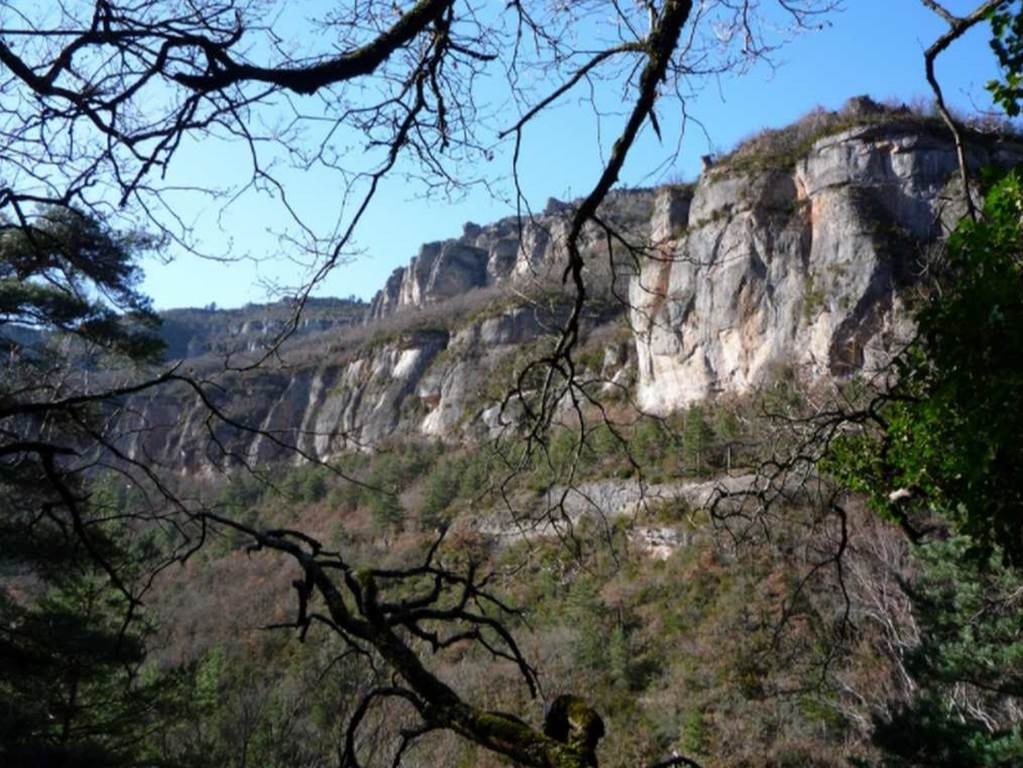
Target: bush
{"type": "Point", "coordinates": [306, 483]}
{"type": "Point", "coordinates": [778, 149]}
{"type": "Point", "coordinates": [443, 486]}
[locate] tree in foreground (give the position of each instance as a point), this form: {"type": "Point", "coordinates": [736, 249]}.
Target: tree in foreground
{"type": "Point", "coordinates": [936, 451]}
{"type": "Point", "coordinates": [72, 638]}
{"type": "Point", "coordinates": [101, 98]}
{"type": "Point", "coordinates": [77, 118]}
{"type": "Point", "coordinates": [73, 680]}
{"type": "Point", "coordinates": [941, 457]}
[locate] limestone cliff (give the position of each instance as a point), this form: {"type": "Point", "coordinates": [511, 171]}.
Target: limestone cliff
{"type": "Point", "coordinates": [199, 331]}
{"type": "Point", "coordinates": [794, 263]}
{"type": "Point", "coordinates": [800, 268]}
{"type": "Point", "coordinates": [513, 251]}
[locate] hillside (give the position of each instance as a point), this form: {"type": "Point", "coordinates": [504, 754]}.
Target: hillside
{"type": "Point", "coordinates": [716, 465]}
{"type": "Point", "coordinates": [671, 545]}
{"type": "Point", "coordinates": [196, 332]}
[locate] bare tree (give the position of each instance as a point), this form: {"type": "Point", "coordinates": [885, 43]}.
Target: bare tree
{"type": "Point", "coordinates": [101, 99]}
{"type": "Point", "coordinates": [957, 27]}
{"type": "Point", "coordinates": [98, 102]}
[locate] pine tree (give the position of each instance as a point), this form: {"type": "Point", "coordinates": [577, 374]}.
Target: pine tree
{"type": "Point", "coordinates": [72, 642]}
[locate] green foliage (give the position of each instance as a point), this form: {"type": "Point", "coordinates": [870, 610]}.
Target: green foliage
{"type": "Point", "coordinates": [235, 709]}
{"type": "Point", "coordinates": [390, 475]}
{"type": "Point", "coordinates": [946, 454]}
{"type": "Point", "coordinates": [930, 732]}
{"type": "Point", "coordinates": [67, 299]}
{"type": "Point", "coordinates": [654, 444]}
{"type": "Point", "coordinates": [443, 485]}
{"type": "Point", "coordinates": [479, 472]}
{"type": "Point", "coordinates": [969, 663]}
{"type": "Point", "coordinates": [695, 733]}
{"type": "Point", "coordinates": [72, 644]}
{"type": "Point", "coordinates": [70, 273]}
{"type": "Point", "coordinates": [208, 679]}
{"type": "Point", "coordinates": [70, 682]}
{"type": "Point", "coordinates": [585, 612]}
{"type": "Point", "coordinates": [387, 479]}
{"type": "Point", "coordinates": [307, 483]}
{"type": "Point", "coordinates": [971, 618]}
{"type": "Point", "coordinates": [239, 499]}
{"type": "Point", "coordinates": [1007, 43]}
{"type": "Point", "coordinates": [681, 654]}
{"type": "Point", "coordinates": [697, 439]}
{"type": "Point", "coordinates": [952, 425]}
{"type": "Point", "coordinates": [241, 494]}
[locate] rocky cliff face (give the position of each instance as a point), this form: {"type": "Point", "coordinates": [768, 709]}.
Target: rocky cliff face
{"type": "Point", "coordinates": [429, 383]}
{"type": "Point", "coordinates": [798, 267]}
{"type": "Point", "coordinates": [508, 252]}
{"type": "Point", "coordinates": [200, 331]}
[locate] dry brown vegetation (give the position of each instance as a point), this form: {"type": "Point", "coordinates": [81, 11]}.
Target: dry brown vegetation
{"type": "Point", "coordinates": [781, 148]}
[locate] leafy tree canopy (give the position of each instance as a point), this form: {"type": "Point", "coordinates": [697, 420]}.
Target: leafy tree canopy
{"type": "Point", "coordinates": [1007, 43]}
{"type": "Point", "coordinates": [946, 462]}
{"type": "Point", "coordinates": [70, 273]}
{"type": "Point", "coordinates": [949, 444]}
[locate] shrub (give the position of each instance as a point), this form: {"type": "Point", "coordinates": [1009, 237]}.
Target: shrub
{"type": "Point", "coordinates": [781, 148]}
{"type": "Point", "coordinates": [443, 486]}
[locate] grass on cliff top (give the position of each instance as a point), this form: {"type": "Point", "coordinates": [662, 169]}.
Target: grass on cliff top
{"type": "Point", "coordinates": [780, 148]}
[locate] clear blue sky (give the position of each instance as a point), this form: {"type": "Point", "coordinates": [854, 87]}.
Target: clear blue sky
{"type": "Point", "coordinates": [871, 47]}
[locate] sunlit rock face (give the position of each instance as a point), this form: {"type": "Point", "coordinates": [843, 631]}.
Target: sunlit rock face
{"type": "Point", "coordinates": [364, 406]}
{"type": "Point", "coordinates": [797, 271]}
{"type": "Point", "coordinates": [453, 394]}
{"type": "Point", "coordinates": [512, 252]}
{"type": "Point", "coordinates": [440, 271]}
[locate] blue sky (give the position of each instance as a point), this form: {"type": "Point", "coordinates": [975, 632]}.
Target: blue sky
{"type": "Point", "coordinates": [870, 47]}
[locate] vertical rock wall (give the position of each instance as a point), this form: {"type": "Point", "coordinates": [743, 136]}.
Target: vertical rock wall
{"type": "Point", "coordinates": [796, 268]}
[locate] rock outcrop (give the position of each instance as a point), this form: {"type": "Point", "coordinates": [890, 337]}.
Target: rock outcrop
{"type": "Point", "coordinates": [504, 253]}
{"type": "Point", "coordinates": [200, 331]}
{"type": "Point", "coordinates": [794, 267]}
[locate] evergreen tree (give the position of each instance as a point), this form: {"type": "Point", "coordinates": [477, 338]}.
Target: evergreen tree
{"type": "Point", "coordinates": [72, 682]}
{"type": "Point", "coordinates": [949, 443]}
{"type": "Point", "coordinates": [697, 439]}
{"type": "Point", "coordinates": [71, 637]}
{"type": "Point", "coordinates": [945, 461]}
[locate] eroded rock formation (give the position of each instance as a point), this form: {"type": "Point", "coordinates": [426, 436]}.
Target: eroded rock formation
{"type": "Point", "coordinates": [759, 269]}
{"type": "Point", "coordinates": [800, 268]}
